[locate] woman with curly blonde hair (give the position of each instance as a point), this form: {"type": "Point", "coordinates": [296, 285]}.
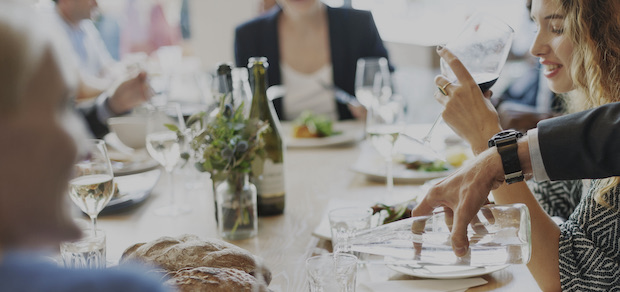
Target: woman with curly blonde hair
{"type": "Point", "coordinates": [578, 46]}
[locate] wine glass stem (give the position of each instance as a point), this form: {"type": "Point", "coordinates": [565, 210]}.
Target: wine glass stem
{"type": "Point", "coordinates": [389, 173]}
{"type": "Point", "coordinates": [93, 219]}
{"type": "Point", "coordinates": [429, 135]}
{"type": "Point", "coordinates": [171, 187]}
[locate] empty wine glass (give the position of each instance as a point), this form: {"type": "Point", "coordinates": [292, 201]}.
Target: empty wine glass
{"type": "Point", "coordinates": [371, 70]}
{"type": "Point", "coordinates": [164, 140]}
{"type": "Point", "coordinates": [92, 185]}
{"type": "Point", "coordinates": [385, 121]}
{"type": "Point", "coordinates": [482, 46]}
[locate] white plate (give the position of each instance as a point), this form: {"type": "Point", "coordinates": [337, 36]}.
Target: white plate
{"type": "Point", "coordinates": [352, 131]}
{"type": "Point", "coordinates": [126, 160]}
{"type": "Point", "coordinates": [445, 272]}
{"type": "Point", "coordinates": [371, 164]}
{"type": "Point", "coordinates": [133, 189]}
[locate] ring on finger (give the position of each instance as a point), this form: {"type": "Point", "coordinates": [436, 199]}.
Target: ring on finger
{"type": "Point", "coordinates": [442, 89]}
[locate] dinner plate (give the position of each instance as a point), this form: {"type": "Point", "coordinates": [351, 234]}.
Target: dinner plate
{"type": "Point", "coordinates": [351, 132]}
{"type": "Point", "coordinates": [126, 160]}
{"type": "Point", "coordinates": [374, 167]}
{"type": "Point", "coordinates": [445, 272]}
{"type": "Point", "coordinates": [133, 189]}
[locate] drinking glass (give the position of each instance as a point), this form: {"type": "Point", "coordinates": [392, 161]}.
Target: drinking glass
{"type": "Point", "coordinates": [482, 46]}
{"type": "Point", "coordinates": [385, 120]}
{"type": "Point", "coordinates": [92, 185]}
{"type": "Point", "coordinates": [88, 252]}
{"type": "Point", "coordinates": [372, 80]}
{"type": "Point", "coordinates": [346, 221]}
{"type": "Point", "coordinates": [164, 140]}
{"type": "Point", "coordinates": [332, 272]}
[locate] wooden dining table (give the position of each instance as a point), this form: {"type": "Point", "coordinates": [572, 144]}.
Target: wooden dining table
{"type": "Point", "coordinates": [314, 176]}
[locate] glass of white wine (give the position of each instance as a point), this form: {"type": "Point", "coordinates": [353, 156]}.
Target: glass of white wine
{"type": "Point", "coordinates": [92, 185]}
{"type": "Point", "coordinates": [163, 142]}
{"type": "Point", "coordinates": [370, 70]}
{"type": "Point", "coordinates": [385, 121]}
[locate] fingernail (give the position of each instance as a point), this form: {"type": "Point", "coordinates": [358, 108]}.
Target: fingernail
{"type": "Point", "coordinates": [461, 251]}
{"type": "Point", "coordinates": [440, 47]}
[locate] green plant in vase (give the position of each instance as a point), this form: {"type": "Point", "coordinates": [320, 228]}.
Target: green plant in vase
{"type": "Point", "coordinates": [229, 147]}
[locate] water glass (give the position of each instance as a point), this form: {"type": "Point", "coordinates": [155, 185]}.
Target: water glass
{"type": "Point", "coordinates": [344, 222]}
{"type": "Point", "coordinates": [332, 273]}
{"type": "Point", "coordinates": [88, 252]}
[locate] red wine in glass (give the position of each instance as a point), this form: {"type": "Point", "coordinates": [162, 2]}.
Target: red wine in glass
{"type": "Point", "coordinates": [485, 80]}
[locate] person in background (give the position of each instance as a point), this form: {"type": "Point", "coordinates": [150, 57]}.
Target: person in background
{"type": "Point", "coordinates": [38, 151]}
{"type": "Point", "coordinates": [98, 96]}
{"type": "Point", "coordinates": [578, 45]}
{"type": "Point", "coordinates": [312, 50]}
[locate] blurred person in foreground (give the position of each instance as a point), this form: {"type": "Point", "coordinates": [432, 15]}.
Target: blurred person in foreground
{"type": "Point", "coordinates": [312, 50]}
{"type": "Point", "coordinates": [578, 45]}
{"type": "Point", "coordinates": [106, 88]}
{"type": "Point", "coordinates": [37, 153]}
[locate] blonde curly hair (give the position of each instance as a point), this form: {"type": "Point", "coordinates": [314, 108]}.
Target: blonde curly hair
{"type": "Point", "coordinates": [593, 26]}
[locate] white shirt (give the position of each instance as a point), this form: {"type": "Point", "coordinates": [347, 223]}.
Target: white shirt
{"type": "Point", "coordinates": [311, 92]}
{"type": "Point", "coordinates": [90, 51]}
{"type": "Point", "coordinates": [538, 167]}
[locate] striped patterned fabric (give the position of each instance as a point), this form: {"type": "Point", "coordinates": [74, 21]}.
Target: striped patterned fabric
{"type": "Point", "coordinates": [589, 239]}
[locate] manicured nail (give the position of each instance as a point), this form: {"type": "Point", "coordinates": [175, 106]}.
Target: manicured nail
{"type": "Point", "coordinates": [440, 47]}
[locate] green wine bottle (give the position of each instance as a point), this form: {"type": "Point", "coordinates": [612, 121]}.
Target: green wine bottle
{"type": "Point", "coordinates": [270, 184]}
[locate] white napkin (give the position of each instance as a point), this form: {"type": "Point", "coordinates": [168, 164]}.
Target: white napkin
{"type": "Point", "coordinates": [451, 285]}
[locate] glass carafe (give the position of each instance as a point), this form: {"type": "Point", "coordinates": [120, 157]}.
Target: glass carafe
{"type": "Point", "coordinates": [499, 234]}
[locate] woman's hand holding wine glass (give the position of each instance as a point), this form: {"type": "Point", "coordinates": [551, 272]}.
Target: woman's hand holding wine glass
{"type": "Point", "coordinates": [92, 185]}
{"type": "Point", "coordinates": [481, 49]}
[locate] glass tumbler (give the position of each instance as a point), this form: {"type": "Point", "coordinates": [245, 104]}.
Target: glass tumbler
{"type": "Point", "coordinates": [332, 272]}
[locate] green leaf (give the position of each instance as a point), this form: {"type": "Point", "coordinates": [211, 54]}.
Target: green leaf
{"type": "Point", "coordinates": [172, 127]}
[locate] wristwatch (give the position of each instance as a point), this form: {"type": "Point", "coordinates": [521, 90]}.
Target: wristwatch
{"type": "Point", "coordinates": [506, 143]}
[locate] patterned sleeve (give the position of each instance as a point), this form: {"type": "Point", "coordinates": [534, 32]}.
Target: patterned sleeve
{"type": "Point", "coordinates": [557, 198]}
{"type": "Point", "coordinates": [589, 247]}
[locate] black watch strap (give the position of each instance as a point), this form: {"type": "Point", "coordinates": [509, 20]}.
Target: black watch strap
{"type": "Point", "coordinates": [506, 143]}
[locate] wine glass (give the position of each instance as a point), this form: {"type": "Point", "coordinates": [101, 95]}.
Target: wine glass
{"type": "Point", "coordinates": [164, 139]}
{"type": "Point", "coordinates": [385, 121]}
{"type": "Point", "coordinates": [482, 46]}
{"type": "Point", "coordinates": [371, 70]}
{"type": "Point", "coordinates": [92, 185]}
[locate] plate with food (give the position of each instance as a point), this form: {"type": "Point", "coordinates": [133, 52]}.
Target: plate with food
{"type": "Point", "coordinates": [131, 190]}
{"type": "Point", "coordinates": [313, 130]}
{"type": "Point", "coordinates": [382, 213]}
{"type": "Point", "coordinates": [406, 168]}
{"type": "Point", "coordinates": [126, 160]}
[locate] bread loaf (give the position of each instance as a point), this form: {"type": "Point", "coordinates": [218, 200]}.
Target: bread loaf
{"type": "Point", "coordinates": [215, 279]}
{"type": "Point", "coordinates": [183, 254]}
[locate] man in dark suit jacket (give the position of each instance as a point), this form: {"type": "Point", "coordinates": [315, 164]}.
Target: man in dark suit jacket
{"type": "Point", "coordinates": [352, 35]}
{"type": "Point", "coordinates": [582, 145]}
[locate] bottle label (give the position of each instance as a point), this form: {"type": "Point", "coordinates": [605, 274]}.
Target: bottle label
{"type": "Point", "coordinates": [271, 183]}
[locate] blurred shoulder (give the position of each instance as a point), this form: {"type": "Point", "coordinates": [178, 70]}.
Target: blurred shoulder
{"type": "Point", "coordinates": [265, 20]}
{"type": "Point", "coordinates": [349, 14]}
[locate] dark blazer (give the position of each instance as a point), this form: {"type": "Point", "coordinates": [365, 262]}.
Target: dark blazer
{"type": "Point", "coordinates": [582, 145]}
{"type": "Point", "coordinates": [352, 35]}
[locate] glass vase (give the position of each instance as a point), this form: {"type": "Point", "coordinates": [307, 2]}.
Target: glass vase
{"type": "Point", "coordinates": [236, 207]}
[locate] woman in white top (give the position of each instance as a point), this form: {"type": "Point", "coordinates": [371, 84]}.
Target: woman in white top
{"type": "Point", "coordinates": [312, 50]}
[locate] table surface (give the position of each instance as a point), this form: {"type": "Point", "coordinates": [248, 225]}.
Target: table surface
{"type": "Point", "coordinates": [314, 176]}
